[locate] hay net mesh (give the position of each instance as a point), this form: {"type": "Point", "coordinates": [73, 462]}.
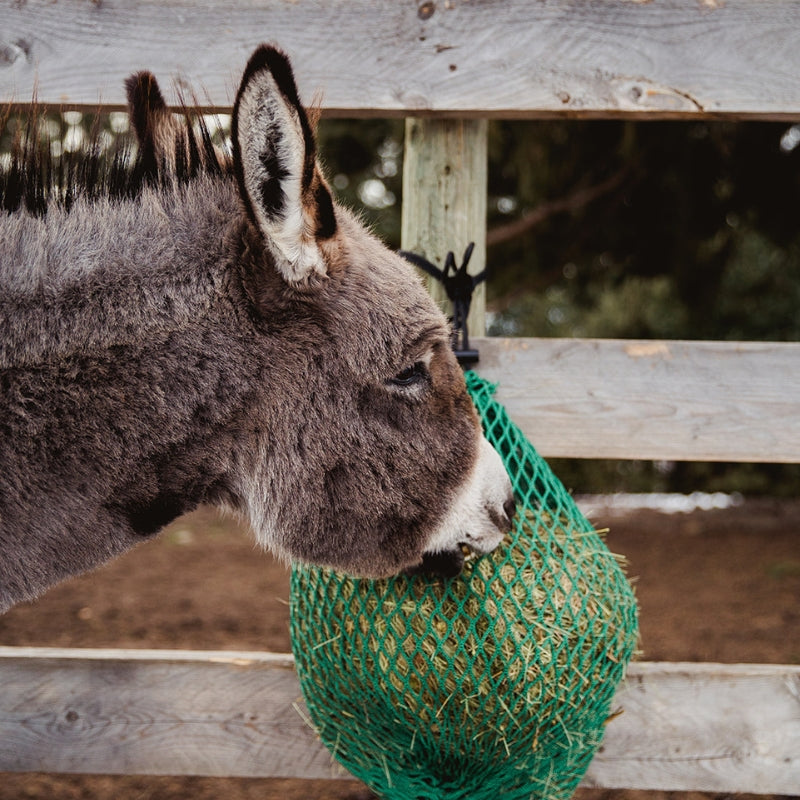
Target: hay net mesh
{"type": "Point", "coordinates": [496, 683]}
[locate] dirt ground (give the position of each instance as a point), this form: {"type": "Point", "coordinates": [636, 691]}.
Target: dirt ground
{"type": "Point", "coordinates": [717, 585]}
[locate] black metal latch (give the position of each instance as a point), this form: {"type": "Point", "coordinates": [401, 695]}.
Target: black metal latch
{"type": "Point", "coordinates": [459, 287]}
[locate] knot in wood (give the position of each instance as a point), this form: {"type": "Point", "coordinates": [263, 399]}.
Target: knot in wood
{"type": "Point", "coordinates": [426, 10]}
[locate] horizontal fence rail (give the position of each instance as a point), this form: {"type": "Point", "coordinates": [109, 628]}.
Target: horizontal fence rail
{"type": "Point", "coordinates": [495, 58]}
{"type": "Point", "coordinates": [645, 399]}
{"type": "Point", "coordinates": [707, 727]}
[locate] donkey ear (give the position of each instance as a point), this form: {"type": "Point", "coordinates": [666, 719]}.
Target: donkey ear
{"type": "Point", "coordinates": [152, 121]}
{"type": "Point", "coordinates": [145, 106]}
{"type": "Point", "coordinates": [274, 156]}
{"type": "Point", "coordinates": [145, 103]}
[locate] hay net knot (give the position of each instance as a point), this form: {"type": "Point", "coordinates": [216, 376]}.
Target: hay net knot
{"type": "Point", "coordinates": [497, 683]}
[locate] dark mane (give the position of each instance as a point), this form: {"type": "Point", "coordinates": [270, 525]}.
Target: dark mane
{"type": "Point", "coordinates": [34, 179]}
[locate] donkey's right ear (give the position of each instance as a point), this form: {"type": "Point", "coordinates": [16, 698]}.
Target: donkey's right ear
{"type": "Point", "coordinates": [274, 156]}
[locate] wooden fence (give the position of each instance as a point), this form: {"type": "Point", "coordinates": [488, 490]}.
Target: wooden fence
{"type": "Point", "coordinates": [447, 66]}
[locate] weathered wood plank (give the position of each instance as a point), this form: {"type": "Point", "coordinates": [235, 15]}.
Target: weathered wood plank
{"type": "Point", "coordinates": [501, 58]}
{"type": "Point", "coordinates": [671, 400]}
{"type": "Point", "coordinates": [684, 726]}
{"type": "Point", "coordinates": [444, 200]}
{"type": "Point", "coordinates": [154, 712]}
{"type": "Point", "coordinates": [704, 726]}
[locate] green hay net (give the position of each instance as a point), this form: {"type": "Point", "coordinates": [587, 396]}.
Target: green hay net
{"type": "Point", "coordinates": [497, 683]}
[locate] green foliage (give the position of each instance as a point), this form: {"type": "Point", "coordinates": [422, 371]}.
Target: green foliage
{"type": "Point", "coordinates": [363, 161]}
{"type": "Point", "coordinates": [696, 239]}
{"type": "Point", "coordinates": [760, 289]}
{"type": "Point", "coordinates": [602, 476]}
{"type": "Point", "coordinates": [637, 307]}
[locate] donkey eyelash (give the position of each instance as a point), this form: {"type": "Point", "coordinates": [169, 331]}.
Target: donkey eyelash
{"type": "Point", "coordinates": [413, 375]}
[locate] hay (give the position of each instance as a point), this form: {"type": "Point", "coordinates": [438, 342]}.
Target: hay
{"type": "Point", "coordinates": [511, 617]}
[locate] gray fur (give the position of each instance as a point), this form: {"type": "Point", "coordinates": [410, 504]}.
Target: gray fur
{"type": "Point", "coordinates": [156, 353]}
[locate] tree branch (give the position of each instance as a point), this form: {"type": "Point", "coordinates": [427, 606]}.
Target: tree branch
{"type": "Point", "coordinates": [572, 202]}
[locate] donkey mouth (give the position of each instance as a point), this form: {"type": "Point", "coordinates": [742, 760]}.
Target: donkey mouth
{"type": "Point", "coordinates": [449, 563]}
{"type": "Point", "coordinates": [443, 564]}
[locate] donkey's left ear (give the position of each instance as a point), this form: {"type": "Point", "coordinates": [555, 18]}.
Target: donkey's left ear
{"type": "Point", "coordinates": [274, 156]}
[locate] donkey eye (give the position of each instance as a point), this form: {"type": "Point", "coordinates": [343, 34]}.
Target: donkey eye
{"type": "Point", "coordinates": [410, 375]}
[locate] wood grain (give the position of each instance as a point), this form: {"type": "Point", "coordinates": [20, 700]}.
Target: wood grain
{"type": "Point", "coordinates": [703, 726]}
{"type": "Point", "coordinates": [670, 400]}
{"type": "Point", "coordinates": [684, 726]}
{"type": "Point", "coordinates": [445, 179]}
{"type": "Point", "coordinates": [497, 58]}
{"type": "Point", "coordinates": [154, 712]}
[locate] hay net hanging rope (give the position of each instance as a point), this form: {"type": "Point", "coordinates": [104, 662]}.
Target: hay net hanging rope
{"type": "Point", "coordinates": [497, 683]}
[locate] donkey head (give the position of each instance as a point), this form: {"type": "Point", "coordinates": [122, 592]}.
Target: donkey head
{"type": "Point", "coordinates": [359, 447]}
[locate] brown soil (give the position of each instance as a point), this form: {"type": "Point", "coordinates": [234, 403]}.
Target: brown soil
{"type": "Point", "coordinates": [713, 586]}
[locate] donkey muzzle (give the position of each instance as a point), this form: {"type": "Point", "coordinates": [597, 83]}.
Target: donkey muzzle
{"type": "Point", "coordinates": [479, 517]}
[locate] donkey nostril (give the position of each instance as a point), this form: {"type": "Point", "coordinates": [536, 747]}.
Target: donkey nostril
{"type": "Point", "coordinates": [502, 521]}
{"type": "Point", "coordinates": [510, 508]}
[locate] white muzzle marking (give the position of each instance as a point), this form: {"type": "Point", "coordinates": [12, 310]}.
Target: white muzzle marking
{"type": "Point", "coordinates": [479, 514]}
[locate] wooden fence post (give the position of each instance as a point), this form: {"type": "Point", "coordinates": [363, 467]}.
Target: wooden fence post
{"type": "Point", "coordinates": [444, 199]}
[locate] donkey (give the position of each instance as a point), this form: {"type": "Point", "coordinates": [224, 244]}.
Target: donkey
{"type": "Point", "coordinates": [217, 330]}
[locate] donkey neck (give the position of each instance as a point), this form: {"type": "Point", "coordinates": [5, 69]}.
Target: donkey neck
{"type": "Point", "coordinates": [110, 273]}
